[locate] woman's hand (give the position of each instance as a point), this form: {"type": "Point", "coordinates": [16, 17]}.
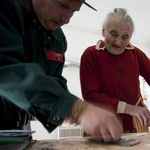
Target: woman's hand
{"type": "Point", "coordinates": [142, 113]}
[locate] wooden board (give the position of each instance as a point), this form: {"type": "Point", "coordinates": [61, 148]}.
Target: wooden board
{"type": "Point", "coordinates": [139, 128]}
{"type": "Point", "coordinates": [86, 144]}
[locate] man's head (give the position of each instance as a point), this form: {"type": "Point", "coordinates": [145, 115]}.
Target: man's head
{"type": "Point", "coordinates": [55, 13]}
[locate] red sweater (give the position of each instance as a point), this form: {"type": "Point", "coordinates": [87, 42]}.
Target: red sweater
{"type": "Point", "coordinates": [108, 79]}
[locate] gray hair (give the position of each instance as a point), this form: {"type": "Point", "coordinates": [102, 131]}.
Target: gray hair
{"type": "Point", "coordinates": [120, 13]}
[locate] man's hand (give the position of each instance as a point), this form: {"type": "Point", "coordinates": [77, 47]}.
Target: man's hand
{"type": "Point", "coordinates": [142, 113]}
{"type": "Point", "coordinates": [101, 124]}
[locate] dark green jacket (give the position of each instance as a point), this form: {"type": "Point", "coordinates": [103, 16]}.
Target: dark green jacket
{"type": "Point", "coordinates": [31, 63]}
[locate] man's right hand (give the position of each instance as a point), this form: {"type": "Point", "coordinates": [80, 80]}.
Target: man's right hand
{"type": "Point", "coordinates": [101, 124]}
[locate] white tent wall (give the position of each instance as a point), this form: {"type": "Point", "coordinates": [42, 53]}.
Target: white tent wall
{"type": "Point", "coordinates": [85, 29]}
{"type": "Point", "coordinates": [78, 40]}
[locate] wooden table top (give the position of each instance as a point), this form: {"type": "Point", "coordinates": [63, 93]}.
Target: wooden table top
{"type": "Point", "coordinates": [86, 144]}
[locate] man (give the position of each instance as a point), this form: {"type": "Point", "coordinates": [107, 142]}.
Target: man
{"type": "Point", "coordinates": [32, 51]}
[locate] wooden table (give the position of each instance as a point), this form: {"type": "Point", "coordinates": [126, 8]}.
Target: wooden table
{"type": "Point", "coordinates": [86, 144]}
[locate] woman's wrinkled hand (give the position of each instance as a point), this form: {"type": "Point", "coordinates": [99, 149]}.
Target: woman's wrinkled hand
{"type": "Point", "coordinates": [142, 113]}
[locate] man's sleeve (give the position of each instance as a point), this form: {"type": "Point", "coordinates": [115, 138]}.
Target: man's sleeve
{"type": "Point", "coordinates": [26, 84]}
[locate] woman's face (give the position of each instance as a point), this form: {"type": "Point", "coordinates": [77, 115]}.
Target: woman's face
{"type": "Point", "coordinates": [117, 34]}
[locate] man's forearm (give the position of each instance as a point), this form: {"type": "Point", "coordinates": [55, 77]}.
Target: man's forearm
{"type": "Point", "coordinates": [77, 111]}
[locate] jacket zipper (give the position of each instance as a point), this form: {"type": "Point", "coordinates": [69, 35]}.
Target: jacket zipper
{"type": "Point", "coordinates": [120, 79]}
{"type": "Point", "coordinates": [121, 89]}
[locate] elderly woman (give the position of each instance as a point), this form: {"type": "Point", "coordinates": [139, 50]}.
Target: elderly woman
{"type": "Point", "coordinates": [110, 71]}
